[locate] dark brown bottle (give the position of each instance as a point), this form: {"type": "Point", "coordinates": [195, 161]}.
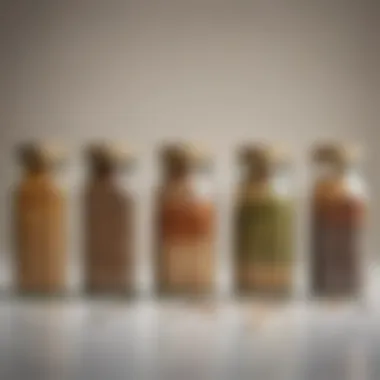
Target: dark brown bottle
{"type": "Point", "coordinates": [39, 228]}
{"type": "Point", "coordinates": [184, 225]}
{"type": "Point", "coordinates": [108, 223]}
{"type": "Point", "coordinates": [338, 212]}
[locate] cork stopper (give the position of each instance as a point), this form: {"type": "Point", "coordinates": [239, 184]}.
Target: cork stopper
{"type": "Point", "coordinates": [335, 153]}
{"type": "Point", "coordinates": [263, 155]}
{"type": "Point", "coordinates": [184, 155]}
{"type": "Point", "coordinates": [40, 155]}
{"type": "Point", "coordinates": [109, 155]}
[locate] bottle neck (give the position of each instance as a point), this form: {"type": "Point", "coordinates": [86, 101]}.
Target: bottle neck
{"type": "Point", "coordinates": [177, 176]}
{"type": "Point", "coordinates": [258, 176]}
{"type": "Point", "coordinates": [37, 172]}
{"type": "Point", "coordinates": [104, 174]}
{"type": "Point", "coordinates": [337, 172]}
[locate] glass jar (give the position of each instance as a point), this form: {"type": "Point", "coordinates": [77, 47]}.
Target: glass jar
{"type": "Point", "coordinates": [338, 212]}
{"type": "Point", "coordinates": [40, 223]}
{"type": "Point", "coordinates": [184, 223]}
{"type": "Point", "coordinates": [108, 209]}
{"type": "Point", "coordinates": [263, 231]}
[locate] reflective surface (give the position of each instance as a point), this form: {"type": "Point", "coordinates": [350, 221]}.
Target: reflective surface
{"type": "Point", "coordinates": [187, 340]}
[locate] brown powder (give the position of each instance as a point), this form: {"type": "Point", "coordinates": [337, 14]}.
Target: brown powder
{"type": "Point", "coordinates": [337, 223]}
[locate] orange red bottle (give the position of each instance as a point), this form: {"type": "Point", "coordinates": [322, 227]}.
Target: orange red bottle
{"type": "Point", "coordinates": [184, 223]}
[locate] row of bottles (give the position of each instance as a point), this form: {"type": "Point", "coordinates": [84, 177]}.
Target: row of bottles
{"type": "Point", "coordinates": [185, 223]}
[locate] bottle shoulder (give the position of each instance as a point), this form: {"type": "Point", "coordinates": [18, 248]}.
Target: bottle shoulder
{"type": "Point", "coordinates": [352, 187]}
{"type": "Point", "coordinates": [276, 191]}
{"type": "Point", "coordinates": [197, 190]}
{"type": "Point", "coordinates": [31, 189]}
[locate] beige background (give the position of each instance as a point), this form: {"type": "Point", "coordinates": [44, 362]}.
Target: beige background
{"type": "Point", "coordinates": [218, 72]}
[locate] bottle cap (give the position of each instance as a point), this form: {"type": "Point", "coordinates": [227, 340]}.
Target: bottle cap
{"type": "Point", "coordinates": [267, 155]}
{"type": "Point", "coordinates": [185, 154]}
{"type": "Point", "coordinates": [41, 154]}
{"type": "Point", "coordinates": [336, 153]}
{"type": "Point", "coordinates": [109, 154]}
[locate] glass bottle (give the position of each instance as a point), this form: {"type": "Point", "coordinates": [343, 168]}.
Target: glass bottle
{"type": "Point", "coordinates": [184, 223]}
{"type": "Point", "coordinates": [264, 223]}
{"type": "Point", "coordinates": [108, 222]}
{"type": "Point", "coordinates": [338, 212]}
{"type": "Point", "coordinates": [39, 223]}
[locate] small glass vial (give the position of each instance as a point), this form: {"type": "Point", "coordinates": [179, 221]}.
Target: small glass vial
{"type": "Point", "coordinates": [39, 223]}
{"type": "Point", "coordinates": [184, 223]}
{"type": "Point", "coordinates": [338, 211]}
{"type": "Point", "coordinates": [263, 230]}
{"type": "Point", "coordinates": [108, 222]}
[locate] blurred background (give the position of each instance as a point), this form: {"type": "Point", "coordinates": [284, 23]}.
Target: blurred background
{"type": "Point", "coordinates": [214, 72]}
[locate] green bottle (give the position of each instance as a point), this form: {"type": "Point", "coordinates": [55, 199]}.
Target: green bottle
{"type": "Point", "coordinates": [263, 223]}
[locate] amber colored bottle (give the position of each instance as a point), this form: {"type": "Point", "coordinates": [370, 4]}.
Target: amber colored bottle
{"type": "Point", "coordinates": [184, 225]}
{"type": "Point", "coordinates": [108, 223]}
{"type": "Point", "coordinates": [338, 212]}
{"type": "Point", "coordinates": [39, 228]}
{"type": "Point", "coordinates": [263, 230]}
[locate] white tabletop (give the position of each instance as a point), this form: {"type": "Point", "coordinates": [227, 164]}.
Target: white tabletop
{"type": "Point", "coordinates": [147, 339]}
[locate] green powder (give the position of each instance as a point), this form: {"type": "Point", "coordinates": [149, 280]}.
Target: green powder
{"type": "Point", "coordinates": [264, 230]}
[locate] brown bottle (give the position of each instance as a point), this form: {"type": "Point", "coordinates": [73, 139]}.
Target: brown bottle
{"type": "Point", "coordinates": [108, 223]}
{"type": "Point", "coordinates": [39, 228]}
{"type": "Point", "coordinates": [338, 205]}
{"type": "Point", "coordinates": [184, 225]}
